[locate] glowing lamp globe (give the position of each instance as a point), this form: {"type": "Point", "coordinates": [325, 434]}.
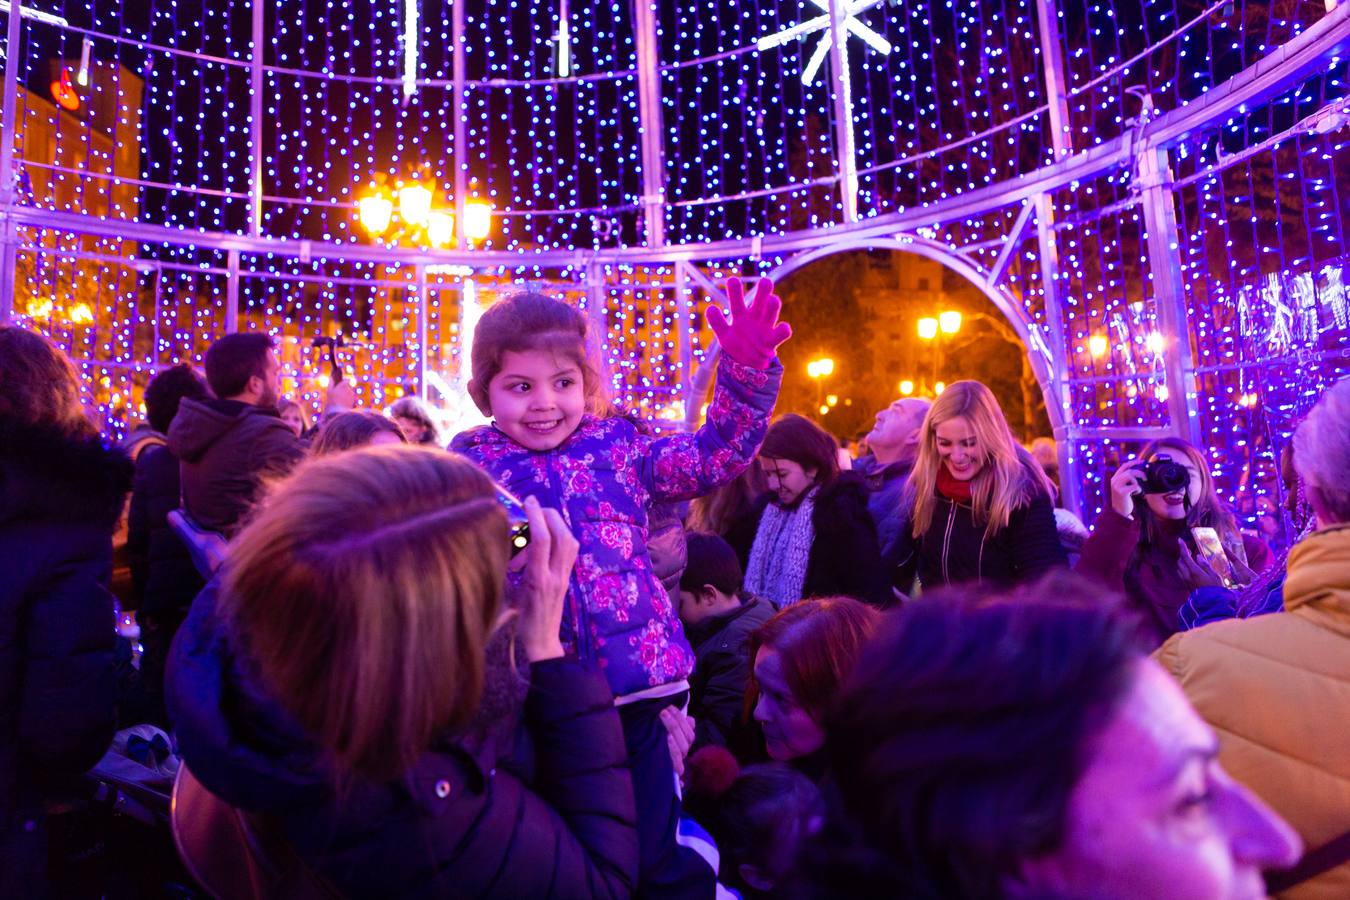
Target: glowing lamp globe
{"type": "Point", "coordinates": [375, 213]}
{"type": "Point", "coordinates": [441, 229]}
{"type": "Point", "coordinates": [477, 219]}
{"type": "Point", "coordinates": [414, 204]}
{"type": "Point", "coordinates": [928, 328]}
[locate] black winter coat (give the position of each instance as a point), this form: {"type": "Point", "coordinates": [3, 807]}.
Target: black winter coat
{"type": "Point", "coordinates": [722, 670]}
{"type": "Point", "coordinates": [458, 825]}
{"type": "Point", "coordinates": [60, 499]}
{"type": "Point", "coordinates": [956, 549]}
{"type": "Point", "coordinates": [845, 556]}
{"type": "Point", "coordinates": [226, 448]}
{"type": "Point", "coordinates": [163, 578]}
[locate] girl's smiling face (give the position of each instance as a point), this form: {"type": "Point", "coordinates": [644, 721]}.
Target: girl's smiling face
{"type": "Point", "coordinates": [959, 448]}
{"type": "Point", "coordinates": [537, 398]}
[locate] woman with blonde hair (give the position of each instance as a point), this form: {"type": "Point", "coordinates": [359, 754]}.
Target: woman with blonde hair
{"type": "Point", "coordinates": [332, 686]}
{"type": "Point", "coordinates": [1145, 544]}
{"type": "Point", "coordinates": [979, 506]}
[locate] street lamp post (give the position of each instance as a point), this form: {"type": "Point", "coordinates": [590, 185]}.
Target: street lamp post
{"type": "Point", "coordinates": [820, 369]}
{"type": "Point", "coordinates": [934, 328]}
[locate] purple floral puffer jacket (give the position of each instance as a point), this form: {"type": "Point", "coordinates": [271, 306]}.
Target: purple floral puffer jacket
{"type": "Point", "coordinates": [602, 479]}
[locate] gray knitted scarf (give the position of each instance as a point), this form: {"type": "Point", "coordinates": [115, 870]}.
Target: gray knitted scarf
{"type": "Point", "coordinates": [782, 548]}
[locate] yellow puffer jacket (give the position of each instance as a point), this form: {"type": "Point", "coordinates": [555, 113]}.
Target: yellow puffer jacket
{"type": "Point", "coordinates": [1276, 688]}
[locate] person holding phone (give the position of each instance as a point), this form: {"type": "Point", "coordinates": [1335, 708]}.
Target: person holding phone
{"type": "Point", "coordinates": [1165, 518]}
{"type": "Point", "coordinates": [372, 719]}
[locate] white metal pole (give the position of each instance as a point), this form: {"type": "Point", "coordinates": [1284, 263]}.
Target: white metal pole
{"type": "Point", "coordinates": [650, 122]}
{"type": "Point", "coordinates": [460, 115]}
{"type": "Point", "coordinates": [842, 94]}
{"type": "Point", "coordinates": [255, 102]}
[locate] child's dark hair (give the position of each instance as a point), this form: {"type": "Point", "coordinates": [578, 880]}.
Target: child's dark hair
{"type": "Point", "coordinates": [710, 560]}
{"type": "Point", "coordinates": [759, 817]}
{"type": "Point", "coordinates": [524, 321]}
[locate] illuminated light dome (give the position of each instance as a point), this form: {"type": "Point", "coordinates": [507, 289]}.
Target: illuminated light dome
{"type": "Point", "coordinates": [631, 157]}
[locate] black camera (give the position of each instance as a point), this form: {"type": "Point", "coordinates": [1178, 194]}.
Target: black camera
{"type": "Point", "coordinates": [1162, 476]}
{"type": "Point", "coordinates": [517, 525]}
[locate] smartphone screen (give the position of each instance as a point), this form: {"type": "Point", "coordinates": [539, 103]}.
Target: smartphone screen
{"type": "Point", "coordinates": [1211, 548]}
{"type": "Point", "coordinates": [517, 524]}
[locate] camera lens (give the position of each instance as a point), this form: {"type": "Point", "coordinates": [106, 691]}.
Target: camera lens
{"type": "Point", "coordinates": [1171, 476]}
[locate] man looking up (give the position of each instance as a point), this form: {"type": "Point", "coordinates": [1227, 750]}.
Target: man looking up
{"type": "Point", "coordinates": [894, 444]}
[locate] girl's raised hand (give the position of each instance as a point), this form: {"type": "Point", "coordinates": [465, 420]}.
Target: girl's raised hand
{"type": "Point", "coordinates": [752, 336]}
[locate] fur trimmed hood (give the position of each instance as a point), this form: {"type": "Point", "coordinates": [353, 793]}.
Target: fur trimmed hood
{"type": "Point", "coordinates": [48, 476]}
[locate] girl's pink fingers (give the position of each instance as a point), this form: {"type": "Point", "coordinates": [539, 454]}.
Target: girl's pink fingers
{"type": "Point", "coordinates": [735, 298]}
{"type": "Point", "coordinates": [717, 320]}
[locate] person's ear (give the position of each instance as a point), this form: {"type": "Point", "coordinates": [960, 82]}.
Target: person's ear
{"type": "Point", "coordinates": [752, 876]}
{"type": "Point", "coordinates": [706, 595]}
{"type": "Point", "coordinates": [811, 474]}
{"type": "Point", "coordinates": [478, 393]}
{"type": "Point", "coordinates": [257, 385]}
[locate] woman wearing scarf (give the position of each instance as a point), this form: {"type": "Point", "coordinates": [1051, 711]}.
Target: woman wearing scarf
{"type": "Point", "coordinates": [815, 536]}
{"type": "Point", "coordinates": [979, 506]}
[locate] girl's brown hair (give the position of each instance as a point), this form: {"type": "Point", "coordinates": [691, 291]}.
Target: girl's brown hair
{"type": "Point", "coordinates": [1005, 481]}
{"type": "Point", "coordinates": [802, 441]}
{"type": "Point", "coordinates": [818, 641]}
{"type": "Point", "coordinates": [526, 321]}
{"type": "Point", "coordinates": [39, 385]}
{"type": "Point", "coordinates": [365, 589]}
{"type": "Point", "coordinates": [720, 510]}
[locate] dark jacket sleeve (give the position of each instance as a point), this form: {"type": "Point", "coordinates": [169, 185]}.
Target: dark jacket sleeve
{"type": "Point", "coordinates": [846, 549]}
{"type": "Point", "coordinates": [583, 786]}
{"type": "Point", "coordinates": [1035, 547]}
{"type": "Point", "coordinates": [55, 583]}
{"type": "Point", "coordinates": [1107, 550]}
{"type": "Point", "coordinates": [138, 535]}
{"type": "Point", "coordinates": [722, 696]}
{"type": "Point", "coordinates": [277, 450]}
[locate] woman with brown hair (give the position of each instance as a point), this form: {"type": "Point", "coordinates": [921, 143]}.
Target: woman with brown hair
{"type": "Point", "coordinates": [814, 535]}
{"type": "Point", "coordinates": [331, 682]}
{"type": "Point", "coordinates": [1145, 544]}
{"type": "Point", "coordinates": [61, 493]}
{"type": "Point", "coordinates": [801, 657]}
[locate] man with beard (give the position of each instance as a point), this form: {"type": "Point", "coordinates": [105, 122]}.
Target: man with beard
{"type": "Point", "coordinates": [228, 444]}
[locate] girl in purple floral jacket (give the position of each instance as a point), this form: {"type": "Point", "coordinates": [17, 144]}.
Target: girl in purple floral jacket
{"type": "Point", "coordinates": [532, 375]}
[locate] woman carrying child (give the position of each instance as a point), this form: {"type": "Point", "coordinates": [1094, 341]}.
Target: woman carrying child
{"type": "Point", "coordinates": [531, 373]}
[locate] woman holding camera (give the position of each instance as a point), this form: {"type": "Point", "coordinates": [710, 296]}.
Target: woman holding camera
{"type": "Point", "coordinates": [1157, 540]}
{"type": "Point", "coordinates": [370, 723]}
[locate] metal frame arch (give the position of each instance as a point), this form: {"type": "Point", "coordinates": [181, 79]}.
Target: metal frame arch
{"type": "Point", "coordinates": [1011, 308]}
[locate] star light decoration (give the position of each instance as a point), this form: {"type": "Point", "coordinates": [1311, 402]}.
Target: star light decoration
{"type": "Point", "coordinates": [848, 12]}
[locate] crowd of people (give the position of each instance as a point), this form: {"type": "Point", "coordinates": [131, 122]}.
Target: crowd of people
{"type": "Point", "coordinates": [562, 655]}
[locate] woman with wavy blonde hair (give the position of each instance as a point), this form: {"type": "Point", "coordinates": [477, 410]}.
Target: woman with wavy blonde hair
{"type": "Point", "coordinates": [331, 685]}
{"type": "Point", "coordinates": [980, 508]}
